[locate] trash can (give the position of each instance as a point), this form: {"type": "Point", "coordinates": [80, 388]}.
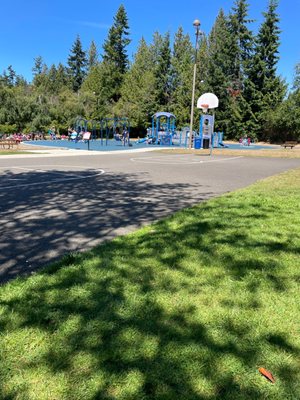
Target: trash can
{"type": "Point", "coordinates": [206, 143]}
{"type": "Point", "coordinates": [197, 143]}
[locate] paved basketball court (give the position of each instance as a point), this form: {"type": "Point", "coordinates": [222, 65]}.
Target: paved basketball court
{"type": "Point", "coordinates": [53, 204]}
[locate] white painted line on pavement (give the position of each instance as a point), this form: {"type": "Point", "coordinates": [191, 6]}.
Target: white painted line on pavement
{"type": "Point", "coordinates": [177, 161]}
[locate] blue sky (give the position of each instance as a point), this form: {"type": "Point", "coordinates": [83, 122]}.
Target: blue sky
{"type": "Point", "coordinates": [48, 28]}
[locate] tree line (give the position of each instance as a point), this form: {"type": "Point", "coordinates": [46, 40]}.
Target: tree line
{"type": "Point", "coordinates": [240, 67]}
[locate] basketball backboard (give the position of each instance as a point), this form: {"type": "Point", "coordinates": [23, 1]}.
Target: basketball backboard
{"type": "Point", "coordinates": [207, 101]}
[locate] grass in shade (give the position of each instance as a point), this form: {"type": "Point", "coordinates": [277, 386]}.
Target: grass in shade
{"type": "Point", "coordinates": [188, 308]}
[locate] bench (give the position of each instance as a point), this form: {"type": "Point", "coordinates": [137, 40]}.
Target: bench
{"type": "Point", "coordinates": [9, 143]}
{"type": "Point", "coordinates": [291, 144]}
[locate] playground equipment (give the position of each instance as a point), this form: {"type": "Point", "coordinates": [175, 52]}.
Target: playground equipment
{"type": "Point", "coordinates": [163, 129]}
{"type": "Point", "coordinates": [116, 128]}
{"type": "Point", "coordinates": [108, 128]}
{"type": "Point", "coordinates": [95, 128]}
{"type": "Point", "coordinates": [217, 140]}
{"type": "Point", "coordinates": [80, 126]}
{"type": "Point", "coordinates": [205, 139]}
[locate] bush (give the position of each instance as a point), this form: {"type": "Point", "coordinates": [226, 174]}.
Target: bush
{"type": "Point", "coordinates": [8, 129]}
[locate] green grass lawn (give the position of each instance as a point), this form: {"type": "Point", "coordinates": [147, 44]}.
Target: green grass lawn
{"type": "Point", "coordinates": [14, 152]}
{"type": "Point", "coordinates": [188, 308]}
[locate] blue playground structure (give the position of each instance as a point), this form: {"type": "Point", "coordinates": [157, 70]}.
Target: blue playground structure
{"type": "Point", "coordinates": [163, 130]}
{"type": "Point", "coordinates": [207, 138]}
{"type": "Point", "coordinates": [217, 140]}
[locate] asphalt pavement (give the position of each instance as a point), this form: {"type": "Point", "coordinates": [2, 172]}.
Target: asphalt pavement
{"type": "Point", "coordinates": [60, 202]}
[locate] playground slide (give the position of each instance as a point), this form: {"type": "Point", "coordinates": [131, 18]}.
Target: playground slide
{"type": "Point", "coordinates": [141, 141]}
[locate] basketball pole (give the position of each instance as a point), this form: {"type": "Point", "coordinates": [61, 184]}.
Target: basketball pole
{"type": "Point", "coordinates": [196, 24]}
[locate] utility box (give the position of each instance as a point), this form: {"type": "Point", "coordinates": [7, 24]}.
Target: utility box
{"type": "Point", "coordinates": [197, 143]}
{"type": "Point", "coordinates": [205, 143]}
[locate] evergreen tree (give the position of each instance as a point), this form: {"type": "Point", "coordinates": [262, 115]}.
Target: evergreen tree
{"type": "Point", "coordinates": [181, 77]}
{"type": "Point", "coordinates": [62, 77]}
{"type": "Point", "coordinates": [51, 82]}
{"type": "Point", "coordinates": [38, 66]}
{"type": "Point", "coordinates": [77, 63]}
{"type": "Point", "coordinates": [21, 81]}
{"type": "Point", "coordinates": [138, 100]}
{"type": "Point", "coordinates": [161, 54]}
{"type": "Point", "coordinates": [92, 56]}
{"type": "Point", "coordinates": [9, 76]}
{"type": "Point", "coordinates": [264, 89]}
{"type": "Point", "coordinates": [219, 70]}
{"type": "Point", "coordinates": [100, 82]}
{"type": "Point", "coordinates": [117, 41]}
{"type": "Point", "coordinates": [283, 123]}
{"type": "Point", "coordinates": [115, 55]}
{"type": "Point", "coordinates": [39, 71]}
{"type": "Point", "coordinates": [296, 82]}
{"type": "Point", "coordinates": [242, 43]}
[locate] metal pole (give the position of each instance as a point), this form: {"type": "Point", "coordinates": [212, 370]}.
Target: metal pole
{"type": "Point", "coordinates": [196, 24]}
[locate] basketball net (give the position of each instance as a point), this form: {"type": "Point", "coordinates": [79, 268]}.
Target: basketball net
{"type": "Point", "coordinates": [204, 108]}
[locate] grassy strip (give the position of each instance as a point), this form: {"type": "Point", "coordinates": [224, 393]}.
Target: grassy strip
{"type": "Point", "coordinates": [13, 152]}
{"type": "Point", "coordinates": [187, 308]}
{"type": "Point", "coordinates": [268, 153]}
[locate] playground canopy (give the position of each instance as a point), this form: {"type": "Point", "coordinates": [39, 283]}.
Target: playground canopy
{"type": "Point", "coordinates": [163, 114]}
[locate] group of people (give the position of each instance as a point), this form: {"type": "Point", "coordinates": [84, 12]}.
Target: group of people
{"type": "Point", "coordinates": [21, 137]}
{"type": "Point", "coordinates": [124, 136]}
{"type": "Point", "coordinates": [245, 141]}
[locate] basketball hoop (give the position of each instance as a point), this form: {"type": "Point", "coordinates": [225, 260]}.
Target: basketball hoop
{"type": "Point", "coordinates": [207, 101]}
{"type": "Point", "coordinates": [204, 107]}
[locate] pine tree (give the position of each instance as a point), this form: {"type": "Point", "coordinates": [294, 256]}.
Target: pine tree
{"type": "Point", "coordinates": [296, 81]}
{"type": "Point", "coordinates": [92, 56]}
{"type": "Point", "coordinates": [264, 89]}
{"type": "Point", "coordinates": [77, 64]}
{"type": "Point", "coordinates": [40, 71]}
{"type": "Point", "coordinates": [115, 55]}
{"type": "Point", "coordinates": [51, 82]}
{"type": "Point", "coordinates": [181, 77]}
{"type": "Point", "coordinates": [138, 91]}
{"type": "Point", "coordinates": [62, 77]}
{"type": "Point", "coordinates": [117, 41]}
{"type": "Point", "coordinates": [242, 43]}
{"type": "Point", "coordinates": [9, 76]}
{"type": "Point", "coordinates": [219, 70]}
{"type": "Point", "coordinates": [161, 54]}
{"type": "Point", "coordinates": [38, 66]}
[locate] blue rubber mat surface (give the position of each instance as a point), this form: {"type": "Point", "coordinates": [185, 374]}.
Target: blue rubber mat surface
{"type": "Point", "coordinates": [112, 145]}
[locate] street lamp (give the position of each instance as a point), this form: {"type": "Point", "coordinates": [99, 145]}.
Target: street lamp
{"type": "Point", "coordinates": [196, 24]}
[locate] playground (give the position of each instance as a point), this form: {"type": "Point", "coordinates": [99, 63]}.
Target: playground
{"type": "Point", "coordinates": [113, 145]}
{"type": "Point", "coordinates": [109, 134]}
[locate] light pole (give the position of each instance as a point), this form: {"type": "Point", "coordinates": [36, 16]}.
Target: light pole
{"type": "Point", "coordinates": [196, 24]}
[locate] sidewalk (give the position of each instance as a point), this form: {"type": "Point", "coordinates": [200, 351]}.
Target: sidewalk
{"type": "Point", "coordinates": [49, 152]}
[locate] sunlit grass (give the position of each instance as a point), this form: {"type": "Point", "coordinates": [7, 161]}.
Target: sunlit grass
{"type": "Point", "coordinates": [187, 308]}
{"type": "Point", "coordinates": [13, 152]}
{"type": "Point", "coordinates": [268, 153]}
